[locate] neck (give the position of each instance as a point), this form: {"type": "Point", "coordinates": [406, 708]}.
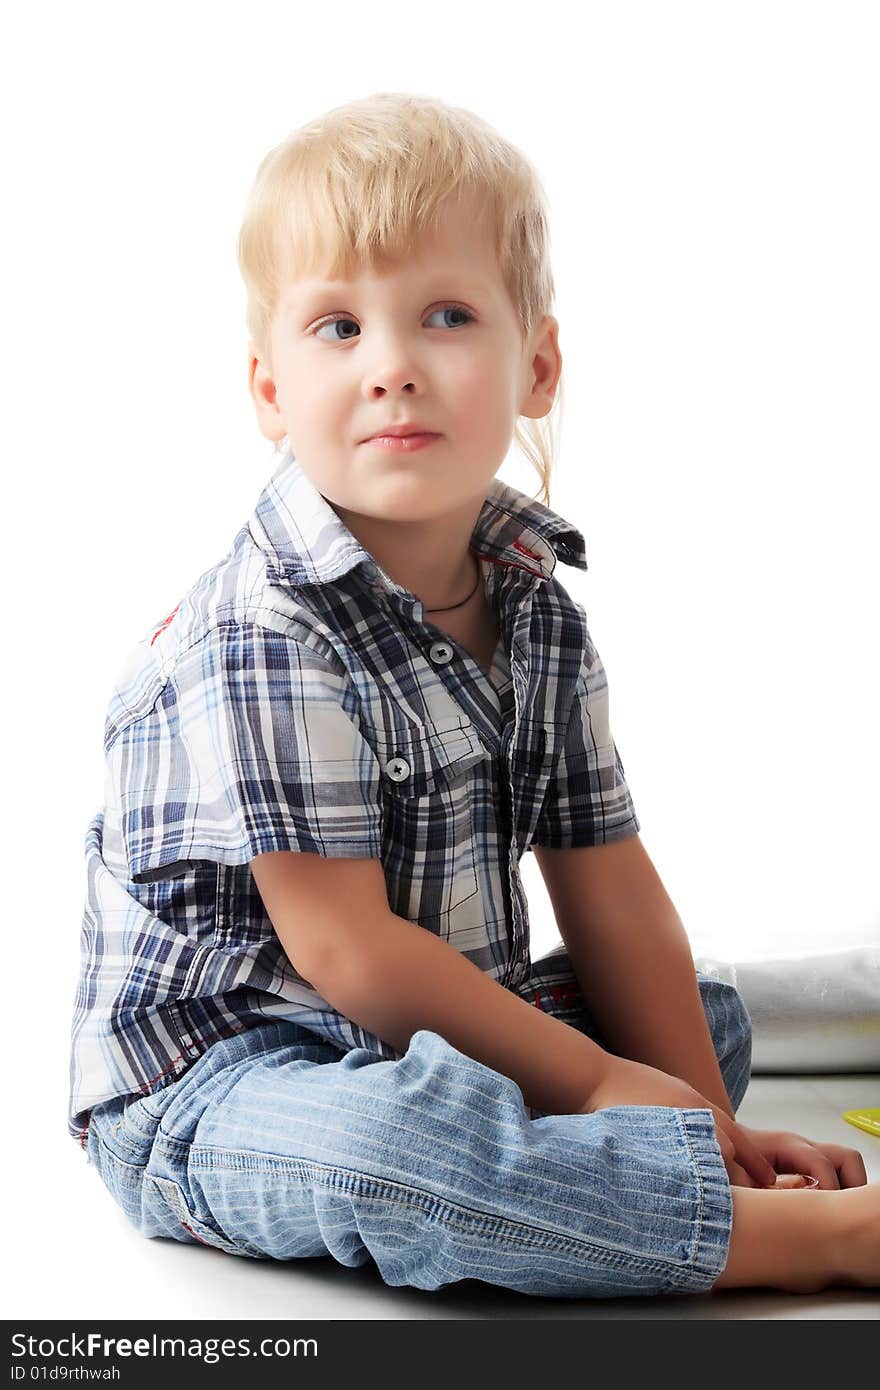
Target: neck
{"type": "Point", "coordinates": [432, 560]}
{"type": "Point", "coordinates": [467, 597]}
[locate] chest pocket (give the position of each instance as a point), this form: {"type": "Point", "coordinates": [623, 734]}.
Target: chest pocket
{"type": "Point", "coordinates": [428, 834]}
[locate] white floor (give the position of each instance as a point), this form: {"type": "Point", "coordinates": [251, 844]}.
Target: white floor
{"type": "Point", "coordinates": [81, 1259]}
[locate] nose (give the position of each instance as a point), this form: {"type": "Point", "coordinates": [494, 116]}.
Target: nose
{"type": "Point", "coordinates": [391, 369]}
{"type": "Point", "coordinates": [388, 381]}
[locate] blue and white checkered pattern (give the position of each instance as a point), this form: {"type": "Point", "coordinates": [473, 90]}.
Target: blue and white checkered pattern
{"type": "Point", "coordinates": [298, 698]}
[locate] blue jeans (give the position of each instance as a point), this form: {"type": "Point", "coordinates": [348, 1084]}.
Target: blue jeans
{"type": "Point", "coordinates": [274, 1144]}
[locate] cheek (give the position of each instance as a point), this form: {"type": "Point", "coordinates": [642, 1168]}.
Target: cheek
{"type": "Point", "coordinates": [316, 414]}
{"type": "Point", "coordinates": [486, 394]}
{"type": "Point", "coordinates": [484, 380]}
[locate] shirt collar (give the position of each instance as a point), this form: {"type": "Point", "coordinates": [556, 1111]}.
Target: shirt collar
{"type": "Point", "coordinates": [305, 542]}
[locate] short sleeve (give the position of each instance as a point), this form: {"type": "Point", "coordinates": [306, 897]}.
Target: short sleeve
{"type": "Point", "coordinates": [252, 745]}
{"type": "Point", "coordinates": [587, 801]}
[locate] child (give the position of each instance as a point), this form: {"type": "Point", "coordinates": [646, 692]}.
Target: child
{"type": "Point", "coordinates": [386, 675]}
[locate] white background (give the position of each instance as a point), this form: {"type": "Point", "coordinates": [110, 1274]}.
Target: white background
{"type": "Point", "coordinates": [711, 172]}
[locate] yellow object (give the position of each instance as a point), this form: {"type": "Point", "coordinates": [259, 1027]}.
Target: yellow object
{"type": "Point", "coordinates": [868, 1120]}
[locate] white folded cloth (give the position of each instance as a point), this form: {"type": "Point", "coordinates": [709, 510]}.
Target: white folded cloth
{"type": "Point", "coordinates": [810, 1013]}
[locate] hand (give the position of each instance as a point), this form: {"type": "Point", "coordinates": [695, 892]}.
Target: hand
{"type": "Point", "coordinates": [632, 1083]}
{"type": "Point", "coordinates": [832, 1164]}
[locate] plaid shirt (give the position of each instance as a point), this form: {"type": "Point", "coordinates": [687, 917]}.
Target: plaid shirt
{"type": "Point", "coordinates": [298, 698]}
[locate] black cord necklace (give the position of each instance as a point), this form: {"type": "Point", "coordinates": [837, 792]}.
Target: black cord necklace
{"type": "Point", "coordinates": [464, 600]}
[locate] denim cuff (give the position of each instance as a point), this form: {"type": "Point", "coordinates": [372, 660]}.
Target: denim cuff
{"type": "Point", "coordinates": [713, 1218]}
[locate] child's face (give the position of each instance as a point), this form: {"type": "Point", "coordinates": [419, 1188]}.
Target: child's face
{"type": "Point", "coordinates": [396, 351]}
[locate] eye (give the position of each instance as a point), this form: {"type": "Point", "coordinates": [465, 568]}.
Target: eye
{"type": "Point", "coordinates": [452, 309]}
{"type": "Point", "coordinates": [341, 319]}
{"type": "Point", "coordinates": [332, 323]}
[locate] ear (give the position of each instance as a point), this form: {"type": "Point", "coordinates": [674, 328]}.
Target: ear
{"type": "Point", "coordinates": [261, 385]}
{"type": "Point", "coordinates": [543, 369]}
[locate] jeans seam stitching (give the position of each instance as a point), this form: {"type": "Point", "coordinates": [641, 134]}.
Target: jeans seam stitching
{"type": "Point", "coordinates": [389, 1191]}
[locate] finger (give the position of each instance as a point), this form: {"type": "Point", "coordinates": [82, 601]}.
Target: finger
{"type": "Point", "coordinates": [738, 1175]}
{"type": "Point", "coordinates": [824, 1162]}
{"type": "Point", "coordinates": [740, 1154]}
{"type": "Point", "coordinates": [848, 1164]}
{"type": "Point", "coordinates": [801, 1156]}
{"type": "Point", "coordinates": [748, 1155]}
{"type": "Point", "coordinates": [821, 1167]}
{"type": "Point", "coordinates": [754, 1162]}
{"type": "Point", "coordinates": [851, 1170]}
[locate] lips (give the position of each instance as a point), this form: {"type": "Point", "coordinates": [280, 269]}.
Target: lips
{"type": "Point", "coordinates": [399, 432]}
{"type": "Point", "coordinates": [401, 443]}
{"type": "Point", "coordinates": [410, 434]}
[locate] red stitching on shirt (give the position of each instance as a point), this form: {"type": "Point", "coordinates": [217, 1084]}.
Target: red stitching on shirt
{"type": "Point", "coordinates": [560, 993]}
{"type": "Point", "coordinates": [163, 624]}
{"type": "Point", "coordinates": [226, 1033]}
{"type": "Point", "coordinates": [518, 545]}
{"type": "Point", "coordinates": [510, 564]}
{"type": "Point", "coordinates": [160, 1074]}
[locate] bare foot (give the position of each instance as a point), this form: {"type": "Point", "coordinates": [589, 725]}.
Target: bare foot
{"type": "Point", "coordinates": [803, 1241]}
{"type": "Point", "coordinates": [857, 1246]}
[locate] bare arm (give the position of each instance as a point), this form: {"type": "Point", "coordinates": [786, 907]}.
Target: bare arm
{"type": "Point", "coordinates": [633, 960]}
{"type": "Point", "coordinates": [393, 977]}
{"type": "Point", "coordinates": [334, 921]}
{"type": "Point", "coordinates": [402, 978]}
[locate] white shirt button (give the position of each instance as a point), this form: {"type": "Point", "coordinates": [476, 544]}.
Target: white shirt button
{"type": "Point", "coordinates": [440, 653]}
{"type": "Point", "coordinates": [398, 769]}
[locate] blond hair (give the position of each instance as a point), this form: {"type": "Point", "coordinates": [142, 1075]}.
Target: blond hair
{"type": "Point", "coordinates": [356, 186]}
